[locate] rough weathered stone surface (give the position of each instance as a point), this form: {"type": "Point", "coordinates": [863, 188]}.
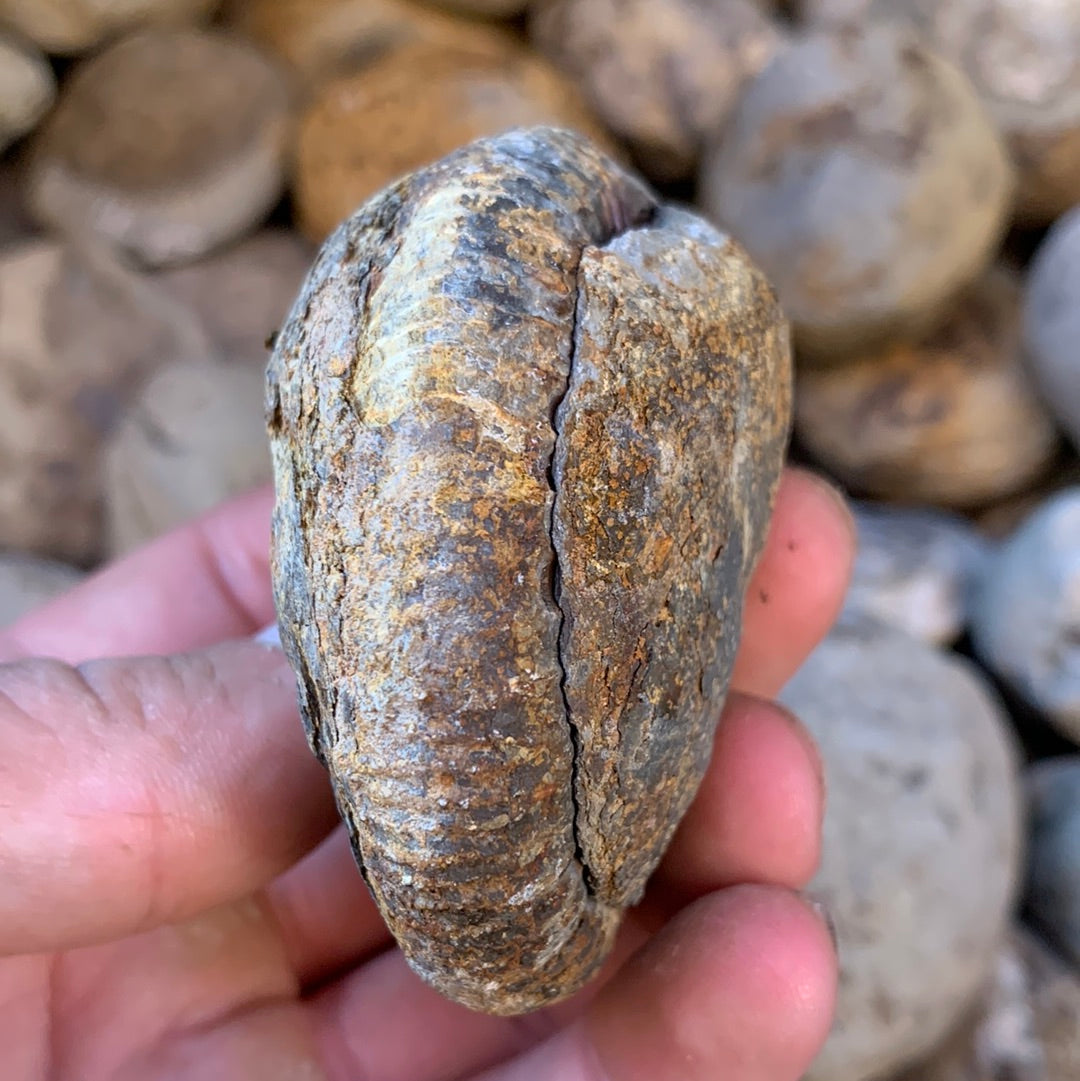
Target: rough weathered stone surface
{"type": "Point", "coordinates": [412, 106]}
{"type": "Point", "coordinates": [1026, 1026]}
{"type": "Point", "coordinates": [70, 26]}
{"type": "Point", "coordinates": [1026, 617]}
{"type": "Point", "coordinates": [865, 177]}
{"type": "Point", "coordinates": [663, 74]}
{"type": "Point", "coordinates": [26, 582]}
{"type": "Point", "coordinates": [167, 144]}
{"type": "Point", "coordinates": [526, 428]}
{"type": "Point", "coordinates": [1052, 321]}
{"type": "Point", "coordinates": [921, 851]}
{"type": "Point", "coordinates": [1053, 880]}
{"type": "Point", "coordinates": [915, 569]}
{"type": "Point", "coordinates": [27, 89]}
{"type": "Point", "coordinates": [954, 419]}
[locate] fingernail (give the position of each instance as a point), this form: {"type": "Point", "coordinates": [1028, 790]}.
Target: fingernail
{"type": "Point", "coordinates": [269, 636]}
{"type": "Point", "coordinates": [825, 916]}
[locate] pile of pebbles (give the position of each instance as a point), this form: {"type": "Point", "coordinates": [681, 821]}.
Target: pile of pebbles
{"type": "Point", "coordinates": [907, 172]}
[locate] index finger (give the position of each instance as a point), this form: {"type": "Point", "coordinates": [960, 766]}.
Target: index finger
{"type": "Point", "coordinates": [206, 582]}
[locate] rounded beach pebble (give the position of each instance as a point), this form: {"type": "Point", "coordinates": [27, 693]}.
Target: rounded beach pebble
{"type": "Point", "coordinates": [318, 40]}
{"type": "Point", "coordinates": [1053, 882]}
{"type": "Point", "coordinates": [1023, 58]}
{"type": "Point", "coordinates": [411, 107]}
{"type": "Point", "coordinates": [915, 569]}
{"type": "Point", "coordinates": [1052, 321]}
{"type": "Point", "coordinates": [1026, 1026]}
{"type": "Point", "coordinates": [72, 26]}
{"type": "Point", "coordinates": [921, 839]}
{"type": "Point", "coordinates": [27, 89]}
{"type": "Point", "coordinates": [194, 437]}
{"type": "Point", "coordinates": [954, 419]}
{"type": "Point", "coordinates": [1026, 616]}
{"type": "Point", "coordinates": [241, 294]}
{"type": "Point", "coordinates": [167, 144]}
{"type": "Point", "coordinates": [865, 177]}
{"type": "Point", "coordinates": [664, 75]}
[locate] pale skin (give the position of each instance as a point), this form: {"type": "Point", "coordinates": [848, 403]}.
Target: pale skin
{"type": "Point", "coordinates": [177, 900]}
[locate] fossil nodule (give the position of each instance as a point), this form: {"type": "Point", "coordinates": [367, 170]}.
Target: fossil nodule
{"type": "Point", "coordinates": [526, 426]}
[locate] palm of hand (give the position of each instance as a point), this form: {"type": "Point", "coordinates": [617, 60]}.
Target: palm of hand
{"type": "Point", "coordinates": [176, 903]}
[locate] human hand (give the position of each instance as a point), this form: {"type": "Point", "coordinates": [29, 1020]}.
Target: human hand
{"type": "Point", "coordinates": [177, 900]}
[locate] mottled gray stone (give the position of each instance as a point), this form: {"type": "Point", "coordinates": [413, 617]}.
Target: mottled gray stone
{"type": "Point", "coordinates": [921, 839]}
{"type": "Point", "coordinates": [915, 569]}
{"type": "Point", "coordinates": [1025, 1027]}
{"type": "Point", "coordinates": [1052, 321]}
{"type": "Point", "coordinates": [1026, 615]}
{"type": "Point", "coordinates": [863, 175]}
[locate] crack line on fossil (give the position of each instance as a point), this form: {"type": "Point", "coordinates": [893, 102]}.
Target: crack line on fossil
{"type": "Point", "coordinates": [621, 225]}
{"type": "Point", "coordinates": [556, 590]}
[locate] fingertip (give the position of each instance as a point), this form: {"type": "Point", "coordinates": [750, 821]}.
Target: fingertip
{"type": "Point", "coordinates": [758, 813]}
{"type": "Point", "coordinates": [798, 587]}
{"type": "Point", "coordinates": [740, 984]}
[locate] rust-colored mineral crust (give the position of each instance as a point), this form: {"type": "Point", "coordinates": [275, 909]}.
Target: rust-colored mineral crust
{"type": "Point", "coordinates": [526, 426]}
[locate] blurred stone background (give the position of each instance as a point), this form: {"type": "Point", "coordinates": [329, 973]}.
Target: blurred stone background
{"type": "Point", "coordinates": [908, 174]}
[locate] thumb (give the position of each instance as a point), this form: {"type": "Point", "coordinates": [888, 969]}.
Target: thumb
{"type": "Point", "coordinates": [139, 791]}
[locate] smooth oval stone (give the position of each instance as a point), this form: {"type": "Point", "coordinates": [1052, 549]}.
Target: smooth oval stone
{"type": "Point", "coordinates": [192, 438]}
{"type": "Point", "coordinates": [27, 89]}
{"type": "Point", "coordinates": [1026, 615]}
{"type": "Point", "coordinates": [921, 840]}
{"type": "Point", "coordinates": [915, 569]}
{"type": "Point", "coordinates": [1026, 1026]}
{"type": "Point", "coordinates": [1052, 321]}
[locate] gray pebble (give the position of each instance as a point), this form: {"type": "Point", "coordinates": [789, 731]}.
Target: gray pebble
{"type": "Point", "coordinates": [27, 89]}
{"type": "Point", "coordinates": [194, 437]}
{"type": "Point", "coordinates": [915, 569]}
{"type": "Point", "coordinates": [1053, 883]}
{"type": "Point", "coordinates": [1052, 321]}
{"type": "Point", "coordinates": [1026, 1026]}
{"type": "Point", "coordinates": [863, 175]}
{"type": "Point", "coordinates": [921, 839]}
{"type": "Point", "coordinates": [1026, 615]}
